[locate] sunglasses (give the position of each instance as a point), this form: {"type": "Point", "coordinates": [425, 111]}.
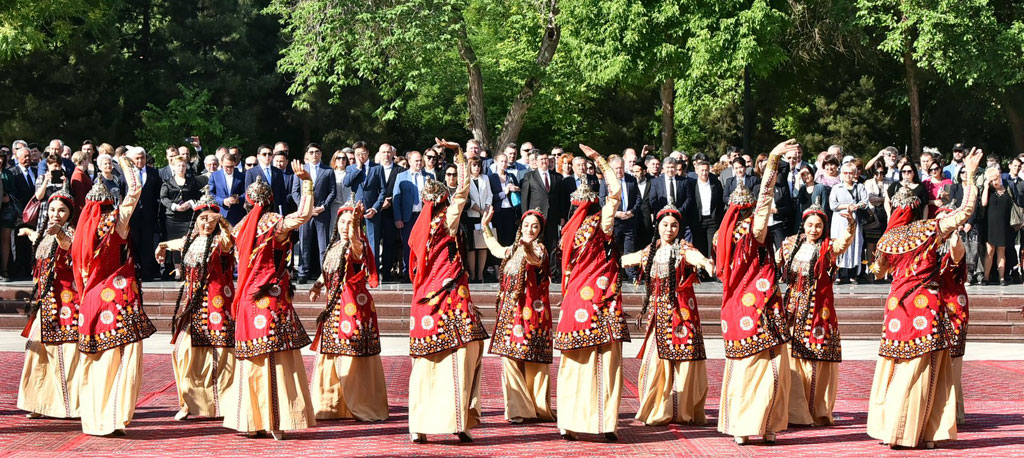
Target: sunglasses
{"type": "Point", "coordinates": [430, 158]}
{"type": "Point", "coordinates": [449, 174]}
{"type": "Point", "coordinates": [266, 154]}
{"type": "Point", "coordinates": [907, 171]}
{"type": "Point", "coordinates": [934, 169]}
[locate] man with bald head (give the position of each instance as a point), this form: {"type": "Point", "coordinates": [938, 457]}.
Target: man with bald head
{"type": "Point", "coordinates": [56, 146]}
{"type": "Point", "coordinates": [143, 228]}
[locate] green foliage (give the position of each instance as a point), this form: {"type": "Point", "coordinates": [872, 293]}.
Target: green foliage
{"type": "Point", "coordinates": [189, 115]}
{"type": "Point", "coordinates": [34, 25]}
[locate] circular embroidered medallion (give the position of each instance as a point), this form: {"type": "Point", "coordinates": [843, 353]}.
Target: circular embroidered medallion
{"type": "Point", "coordinates": [263, 303]}
{"type": "Point", "coordinates": [65, 312]}
{"type": "Point", "coordinates": [527, 313]}
{"type": "Point", "coordinates": [684, 314]}
{"type": "Point", "coordinates": [106, 317]}
{"type": "Point", "coordinates": [818, 332]}
{"type": "Point", "coordinates": [921, 301]}
{"type": "Point", "coordinates": [538, 306]}
{"type": "Point", "coordinates": [107, 295]}
{"type": "Point", "coordinates": [67, 296]}
{"type": "Point", "coordinates": [216, 318]}
{"type": "Point", "coordinates": [920, 323]}
{"type": "Point", "coordinates": [892, 303]}
{"type": "Point", "coordinates": [217, 301]}
{"type": "Point", "coordinates": [748, 299]}
{"type": "Point", "coordinates": [228, 292]}
{"type": "Point", "coordinates": [361, 299]}
{"type": "Point", "coordinates": [692, 303]}
{"type": "Point", "coordinates": [427, 322]}
{"type": "Point", "coordinates": [763, 284]}
{"type": "Point", "coordinates": [951, 306]}
{"type": "Point", "coordinates": [120, 282]}
{"type": "Point", "coordinates": [725, 327]}
{"type": "Point", "coordinates": [346, 327]}
{"type": "Point", "coordinates": [746, 323]}
{"type": "Point", "coordinates": [259, 321]}
{"type": "Point", "coordinates": [274, 291]}
{"type": "Point", "coordinates": [602, 282]}
{"type": "Point", "coordinates": [962, 300]}
{"type": "Point", "coordinates": [894, 325]}
{"type": "Point", "coordinates": [581, 316]}
{"type": "Point", "coordinates": [517, 331]}
{"type": "Point", "coordinates": [350, 309]}
{"type": "Point", "coordinates": [586, 293]}
{"type": "Point", "coordinates": [825, 313]}
{"type": "Point", "coordinates": [464, 292]}
{"type": "Point", "coordinates": [681, 332]}
{"type": "Point", "coordinates": [412, 324]}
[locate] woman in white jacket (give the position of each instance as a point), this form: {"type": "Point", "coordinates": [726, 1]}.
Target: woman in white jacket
{"type": "Point", "coordinates": [479, 200]}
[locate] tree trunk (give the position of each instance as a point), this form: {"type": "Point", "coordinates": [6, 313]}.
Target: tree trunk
{"type": "Point", "coordinates": [668, 116]}
{"type": "Point", "coordinates": [1011, 101]}
{"type": "Point", "coordinates": [475, 97]}
{"type": "Point", "coordinates": [915, 102]}
{"type": "Point", "coordinates": [517, 112]}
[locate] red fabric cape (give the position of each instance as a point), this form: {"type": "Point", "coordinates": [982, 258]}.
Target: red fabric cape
{"type": "Point", "coordinates": [245, 242]}
{"type": "Point", "coordinates": [418, 245]}
{"type": "Point", "coordinates": [84, 247]}
{"type": "Point", "coordinates": [569, 235]}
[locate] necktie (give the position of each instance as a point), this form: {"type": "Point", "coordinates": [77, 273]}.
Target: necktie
{"type": "Point", "coordinates": [28, 176]}
{"type": "Point", "coordinates": [671, 190]}
{"type": "Point", "coordinates": [624, 196]}
{"type": "Point", "coordinates": [266, 172]}
{"type": "Point", "coordinates": [547, 186]}
{"type": "Point", "coordinates": [141, 181]}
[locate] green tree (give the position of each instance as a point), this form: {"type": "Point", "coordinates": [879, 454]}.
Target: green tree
{"type": "Point", "coordinates": [191, 113]}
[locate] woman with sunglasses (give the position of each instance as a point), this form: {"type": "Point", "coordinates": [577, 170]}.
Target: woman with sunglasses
{"type": "Point", "coordinates": [875, 185]}
{"type": "Point", "coordinates": [935, 185]}
{"type": "Point", "coordinates": [339, 162]}
{"type": "Point", "coordinates": [910, 179]}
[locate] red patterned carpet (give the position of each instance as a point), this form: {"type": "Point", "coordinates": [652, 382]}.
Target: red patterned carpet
{"type": "Point", "coordinates": [995, 416]}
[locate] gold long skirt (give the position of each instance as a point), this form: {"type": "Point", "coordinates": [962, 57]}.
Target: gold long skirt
{"type": "Point", "coordinates": [349, 387]}
{"type": "Point", "coordinates": [49, 379]}
{"type": "Point", "coordinates": [958, 370]}
{"type": "Point", "coordinates": [109, 388]}
{"type": "Point", "coordinates": [670, 391]}
{"type": "Point", "coordinates": [525, 388]}
{"type": "Point", "coordinates": [755, 394]}
{"type": "Point", "coordinates": [813, 391]}
{"type": "Point", "coordinates": [204, 376]}
{"type": "Point", "coordinates": [590, 389]}
{"type": "Point", "coordinates": [270, 394]}
{"type": "Point", "coordinates": [444, 390]}
{"type": "Point", "coordinates": [913, 400]}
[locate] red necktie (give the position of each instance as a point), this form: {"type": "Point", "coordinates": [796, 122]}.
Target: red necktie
{"type": "Point", "coordinates": [547, 187]}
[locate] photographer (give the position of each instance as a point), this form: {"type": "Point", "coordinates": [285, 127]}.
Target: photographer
{"type": "Point", "coordinates": [47, 184]}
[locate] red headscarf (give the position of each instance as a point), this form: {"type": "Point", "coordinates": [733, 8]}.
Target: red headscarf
{"type": "Point", "coordinates": [418, 244]}
{"type": "Point", "coordinates": [83, 248]}
{"type": "Point", "coordinates": [725, 244]}
{"type": "Point", "coordinates": [569, 235]}
{"type": "Point", "coordinates": [246, 241]}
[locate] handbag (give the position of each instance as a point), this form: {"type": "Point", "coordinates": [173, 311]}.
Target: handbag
{"type": "Point", "coordinates": [1016, 217]}
{"type": "Point", "coordinates": [30, 215]}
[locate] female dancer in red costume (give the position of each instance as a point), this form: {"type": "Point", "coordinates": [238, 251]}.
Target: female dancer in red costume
{"type": "Point", "coordinates": [522, 334]}
{"type": "Point", "coordinates": [953, 293]}
{"type": "Point", "coordinates": [913, 396]}
{"type": "Point", "coordinates": [49, 380]}
{"type": "Point", "coordinates": [112, 322]}
{"type": "Point", "coordinates": [591, 326]}
{"type": "Point", "coordinates": [673, 380]}
{"type": "Point", "coordinates": [445, 333]}
{"type": "Point", "coordinates": [756, 382]}
{"type": "Point", "coordinates": [203, 333]}
{"type": "Point", "coordinates": [348, 379]}
{"type": "Point", "coordinates": [272, 394]}
{"type": "Point", "coordinates": [807, 262]}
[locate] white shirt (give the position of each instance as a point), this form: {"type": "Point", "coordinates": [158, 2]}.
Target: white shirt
{"type": "Point", "coordinates": [625, 197]}
{"type": "Point", "coordinates": [704, 188]}
{"type": "Point", "coordinates": [312, 170]}
{"type": "Point", "coordinates": [545, 178]}
{"type": "Point", "coordinates": [229, 179]}
{"type": "Point", "coordinates": [387, 172]}
{"type": "Point", "coordinates": [417, 180]}
{"type": "Point", "coordinates": [670, 183]}
{"type": "Point", "coordinates": [142, 176]}
{"type": "Point", "coordinates": [503, 195]}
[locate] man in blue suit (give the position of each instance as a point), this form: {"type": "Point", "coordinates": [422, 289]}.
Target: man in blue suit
{"type": "Point", "coordinates": [227, 185]}
{"type": "Point", "coordinates": [269, 174]}
{"type": "Point", "coordinates": [627, 216]}
{"type": "Point", "coordinates": [407, 202]}
{"type": "Point", "coordinates": [366, 180]}
{"type": "Point", "coordinates": [318, 228]}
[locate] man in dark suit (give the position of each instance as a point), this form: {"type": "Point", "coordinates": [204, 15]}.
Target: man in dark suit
{"type": "Point", "coordinates": [227, 185]}
{"type": "Point", "coordinates": [407, 203]}
{"type": "Point", "coordinates": [22, 178]}
{"type": "Point", "coordinates": [571, 182]}
{"type": "Point", "coordinates": [366, 180]}
{"type": "Point", "coordinates": [143, 233]}
{"type": "Point", "coordinates": [318, 229]}
{"type": "Point", "coordinates": [645, 226]}
{"type": "Point", "coordinates": [270, 175]}
{"type": "Point", "coordinates": [789, 174]}
{"type": "Point", "coordinates": [783, 213]}
{"type": "Point", "coordinates": [542, 189]}
{"type": "Point", "coordinates": [390, 235]}
{"type": "Point", "coordinates": [671, 188]}
{"type": "Point", "coordinates": [708, 207]}
{"type": "Point", "coordinates": [739, 173]}
{"type": "Point", "coordinates": [626, 216]}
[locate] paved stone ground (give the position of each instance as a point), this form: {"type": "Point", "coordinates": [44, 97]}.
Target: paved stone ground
{"type": "Point", "coordinates": [994, 399]}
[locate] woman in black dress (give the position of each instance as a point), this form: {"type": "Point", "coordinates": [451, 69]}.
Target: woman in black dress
{"type": "Point", "coordinates": [178, 195]}
{"type": "Point", "coordinates": [996, 204]}
{"type": "Point", "coordinates": [909, 178]}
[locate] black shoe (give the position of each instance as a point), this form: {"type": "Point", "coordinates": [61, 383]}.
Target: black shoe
{"type": "Point", "coordinates": [464, 436]}
{"type": "Point", "coordinates": [1002, 282]}
{"type": "Point", "coordinates": [303, 280]}
{"type": "Point", "coordinates": [611, 437]}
